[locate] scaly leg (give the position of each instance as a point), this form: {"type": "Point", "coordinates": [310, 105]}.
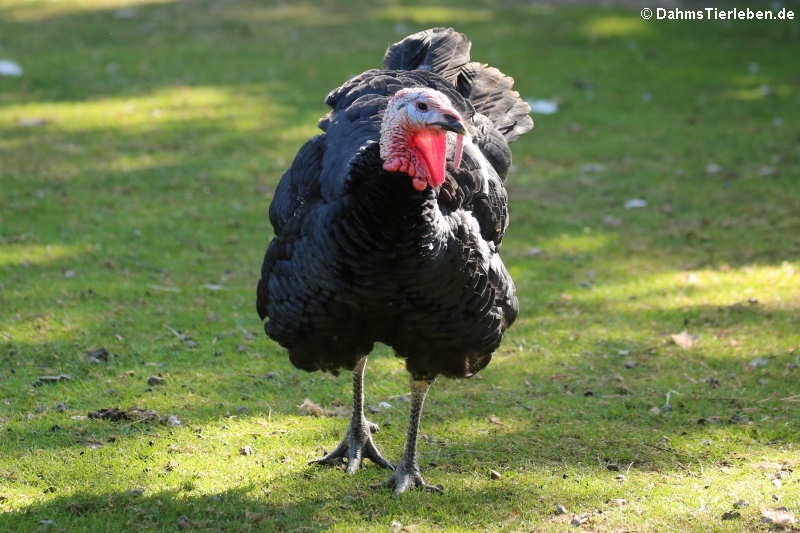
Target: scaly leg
{"type": "Point", "coordinates": [406, 474]}
{"type": "Point", "coordinates": [357, 442]}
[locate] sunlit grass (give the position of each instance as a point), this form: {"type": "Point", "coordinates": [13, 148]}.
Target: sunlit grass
{"type": "Point", "coordinates": [148, 112]}
{"type": "Point", "coordinates": [433, 15]}
{"type": "Point", "coordinates": [615, 26]}
{"type": "Point", "coordinates": [37, 10]}
{"type": "Point", "coordinates": [748, 285]}
{"type": "Point", "coordinates": [584, 242]}
{"type": "Point", "coordinates": [757, 93]}
{"type": "Point", "coordinates": [296, 13]}
{"type": "Point", "coordinates": [139, 207]}
{"type": "Point", "coordinates": [36, 254]}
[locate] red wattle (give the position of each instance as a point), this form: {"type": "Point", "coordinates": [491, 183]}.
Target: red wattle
{"type": "Point", "coordinates": [432, 145]}
{"type": "Point", "coordinates": [458, 151]}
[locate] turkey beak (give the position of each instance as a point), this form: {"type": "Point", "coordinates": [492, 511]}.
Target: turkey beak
{"type": "Point", "coordinates": [452, 123]}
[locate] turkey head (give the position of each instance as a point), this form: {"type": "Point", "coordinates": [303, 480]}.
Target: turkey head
{"type": "Point", "coordinates": [414, 135]}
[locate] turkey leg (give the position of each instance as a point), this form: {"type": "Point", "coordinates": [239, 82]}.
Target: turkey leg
{"type": "Point", "coordinates": [357, 442]}
{"type": "Point", "coordinates": [406, 474]}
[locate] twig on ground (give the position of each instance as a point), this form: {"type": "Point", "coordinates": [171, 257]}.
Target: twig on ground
{"type": "Point", "coordinates": [247, 334]}
{"type": "Point", "coordinates": [181, 336]}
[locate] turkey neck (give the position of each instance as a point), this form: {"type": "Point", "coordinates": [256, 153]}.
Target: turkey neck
{"type": "Point", "coordinates": [389, 211]}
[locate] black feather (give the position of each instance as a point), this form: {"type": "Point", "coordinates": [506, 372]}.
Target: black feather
{"type": "Point", "coordinates": [360, 256]}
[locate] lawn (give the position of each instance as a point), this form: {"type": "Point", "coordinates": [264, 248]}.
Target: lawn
{"type": "Point", "coordinates": [649, 384]}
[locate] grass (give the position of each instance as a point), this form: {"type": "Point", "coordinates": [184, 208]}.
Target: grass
{"type": "Point", "coordinates": [141, 204]}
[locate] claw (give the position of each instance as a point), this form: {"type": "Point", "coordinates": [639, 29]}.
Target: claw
{"type": "Point", "coordinates": [375, 456]}
{"type": "Point", "coordinates": [330, 461]}
{"type": "Point", "coordinates": [355, 447]}
{"type": "Point", "coordinates": [405, 478]}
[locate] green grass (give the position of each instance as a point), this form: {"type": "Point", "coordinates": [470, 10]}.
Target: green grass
{"type": "Point", "coordinates": [168, 126]}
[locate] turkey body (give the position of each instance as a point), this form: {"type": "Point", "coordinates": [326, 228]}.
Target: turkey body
{"type": "Point", "coordinates": [379, 239]}
{"type": "Point", "coordinates": [360, 256]}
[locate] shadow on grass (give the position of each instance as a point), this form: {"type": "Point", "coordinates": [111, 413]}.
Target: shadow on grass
{"type": "Point", "coordinates": [250, 508]}
{"type": "Point", "coordinates": [289, 40]}
{"type": "Point", "coordinates": [237, 509]}
{"type": "Point", "coordinates": [311, 494]}
{"type": "Point", "coordinates": [548, 421]}
{"type": "Point", "coordinates": [545, 399]}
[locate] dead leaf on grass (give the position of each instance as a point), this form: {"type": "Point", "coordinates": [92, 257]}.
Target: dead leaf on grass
{"type": "Point", "coordinates": [780, 516]}
{"type": "Point", "coordinates": [184, 522]}
{"type": "Point", "coordinates": [115, 414]}
{"type": "Point", "coordinates": [715, 419]}
{"type": "Point", "coordinates": [579, 519]}
{"type": "Point", "coordinates": [34, 122]}
{"type": "Point", "coordinates": [495, 420]}
{"type": "Point", "coordinates": [52, 379]}
{"type": "Point", "coordinates": [340, 410]}
{"type": "Point", "coordinates": [99, 355]}
{"type": "Point", "coordinates": [310, 408]}
{"type": "Point", "coordinates": [684, 339]}
{"type": "Point", "coordinates": [251, 516]}
{"type": "Point", "coordinates": [169, 420]}
{"type": "Point", "coordinates": [397, 527]}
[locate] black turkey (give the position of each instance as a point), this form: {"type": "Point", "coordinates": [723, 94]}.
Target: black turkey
{"type": "Point", "coordinates": [388, 228]}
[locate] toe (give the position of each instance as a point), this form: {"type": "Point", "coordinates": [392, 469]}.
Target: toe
{"type": "Point", "coordinates": [438, 489]}
{"type": "Point", "coordinates": [353, 466]}
{"type": "Point", "coordinates": [402, 484]}
{"type": "Point", "coordinates": [403, 480]}
{"type": "Point", "coordinates": [419, 482]}
{"type": "Point", "coordinates": [353, 460]}
{"type": "Point", "coordinates": [381, 462]}
{"type": "Point", "coordinates": [374, 455]}
{"type": "Point", "coordinates": [327, 460]}
{"type": "Point", "coordinates": [335, 457]}
{"type": "Point", "coordinates": [380, 485]}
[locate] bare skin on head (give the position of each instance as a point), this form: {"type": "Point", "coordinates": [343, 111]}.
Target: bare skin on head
{"type": "Point", "coordinates": [414, 135]}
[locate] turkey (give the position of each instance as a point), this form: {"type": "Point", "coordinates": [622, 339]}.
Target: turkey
{"type": "Point", "coordinates": [388, 227]}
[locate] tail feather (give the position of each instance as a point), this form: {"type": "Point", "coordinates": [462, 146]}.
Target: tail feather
{"type": "Point", "coordinates": [490, 91]}
{"type": "Point", "coordinates": [441, 50]}
{"type": "Point", "coordinates": [446, 52]}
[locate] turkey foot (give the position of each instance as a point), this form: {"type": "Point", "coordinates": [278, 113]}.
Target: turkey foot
{"type": "Point", "coordinates": [356, 445]}
{"type": "Point", "coordinates": [407, 477]}
{"type": "Point", "coordinates": [407, 474]}
{"type": "Point", "coordinates": [357, 442]}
